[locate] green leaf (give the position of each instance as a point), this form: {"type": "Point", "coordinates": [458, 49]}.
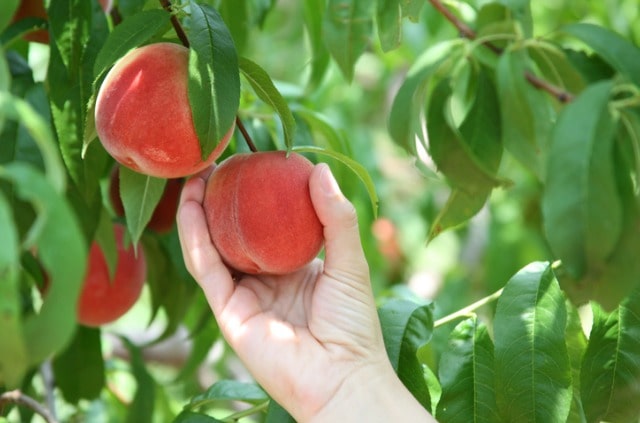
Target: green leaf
{"type": "Point", "coordinates": [407, 326]}
{"type": "Point", "coordinates": [16, 109]}
{"type": "Point", "coordinates": [214, 77]}
{"type": "Point", "coordinates": [611, 366]}
{"type": "Point", "coordinates": [348, 26]}
{"type": "Point", "coordinates": [619, 52]}
{"type": "Point", "coordinates": [532, 367]}
{"type": "Point", "coordinates": [411, 9]}
{"type": "Point", "coordinates": [527, 116]}
{"type": "Point", "coordinates": [52, 328]}
{"type": "Point", "coordinates": [13, 354]}
{"type": "Point", "coordinates": [521, 10]}
{"type": "Point", "coordinates": [192, 417]}
{"type": "Point", "coordinates": [576, 346]}
{"type": "Point", "coordinates": [353, 165]}
{"type": "Point", "coordinates": [142, 406]}
{"type": "Point", "coordinates": [580, 180]}
{"type": "Point", "coordinates": [313, 11]}
{"type": "Point", "coordinates": [7, 9]}
{"type": "Point", "coordinates": [130, 33]}
{"type": "Point", "coordinates": [555, 67]}
{"type": "Point", "coordinates": [229, 390]}
{"type": "Point", "coordinates": [408, 104]}
{"type": "Point", "coordinates": [79, 369]}
{"type": "Point", "coordinates": [140, 195]}
{"type": "Point", "coordinates": [78, 29]}
{"type": "Point", "coordinates": [265, 90]}
{"type": "Point", "coordinates": [389, 20]}
{"type": "Point", "coordinates": [470, 157]}
{"type": "Point", "coordinates": [467, 376]}
{"type": "Point", "coordinates": [277, 414]}
{"type": "Point", "coordinates": [323, 131]}
{"type": "Point", "coordinates": [235, 14]}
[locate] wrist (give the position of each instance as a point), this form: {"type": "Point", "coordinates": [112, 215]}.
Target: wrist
{"type": "Point", "coordinates": [373, 393]}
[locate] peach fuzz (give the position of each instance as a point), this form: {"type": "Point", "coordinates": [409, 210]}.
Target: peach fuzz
{"type": "Point", "coordinates": [260, 215]}
{"type": "Point", "coordinates": [143, 116]}
{"type": "Point", "coordinates": [102, 299]}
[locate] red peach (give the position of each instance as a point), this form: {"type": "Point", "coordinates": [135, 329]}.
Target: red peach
{"type": "Point", "coordinates": [35, 9]}
{"type": "Point", "coordinates": [260, 215]}
{"type": "Point", "coordinates": [143, 115]}
{"type": "Point", "coordinates": [164, 215]}
{"type": "Point", "coordinates": [103, 299]}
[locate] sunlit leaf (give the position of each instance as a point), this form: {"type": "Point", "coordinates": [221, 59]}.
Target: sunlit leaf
{"type": "Point", "coordinates": [467, 375]}
{"type": "Point", "coordinates": [229, 390]}
{"type": "Point", "coordinates": [407, 326]}
{"type": "Point", "coordinates": [532, 367]}
{"type": "Point", "coordinates": [611, 367]}
{"type": "Point", "coordinates": [214, 77]}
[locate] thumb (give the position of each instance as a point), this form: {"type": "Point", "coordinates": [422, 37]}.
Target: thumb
{"type": "Point", "coordinates": [344, 257]}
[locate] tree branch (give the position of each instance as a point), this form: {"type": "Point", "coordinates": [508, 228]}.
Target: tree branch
{"type": "Point", "coordinates": [166, 4]}
{"type": "Point", "coordinates": [466, 32]}
{"type": "Point", "coordinates": [18, 398]}
{"type": "Point", "coordinates": [246, 135]}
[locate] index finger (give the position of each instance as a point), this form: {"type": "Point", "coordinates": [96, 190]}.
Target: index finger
{"type": "Point", "coordinates": [200, 256]}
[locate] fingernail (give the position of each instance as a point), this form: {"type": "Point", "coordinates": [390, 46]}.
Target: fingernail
{"type": "Point", "coordinates": [329, 183]}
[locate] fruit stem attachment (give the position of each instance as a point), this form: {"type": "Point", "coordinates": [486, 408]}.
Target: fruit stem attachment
{"type": "Point", "coordinates": [465, 31]}
{"type": "Point", "coordinates": [246, 135]}
{"type": "Point", "coordinates": [166, 4]}
{"type": "Point", "coordinates": [18, 398]}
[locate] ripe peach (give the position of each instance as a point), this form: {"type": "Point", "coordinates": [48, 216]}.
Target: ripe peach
{"type": "Point", "coordinates": [143, 115]}
{"type": "Point", "coordinates": [33, 9]}
{"type": "Point", "coordinates": [164, 215]}
{"type": "Point", "coordinates": [259, 212]}
{"type": "Point", "coordinates": [102, 299]}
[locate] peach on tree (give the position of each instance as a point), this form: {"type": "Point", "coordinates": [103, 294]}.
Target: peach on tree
{"type": "Point", "coordinates": [104, 299]}
{"type": "Point", "coordinates": [143, 116]}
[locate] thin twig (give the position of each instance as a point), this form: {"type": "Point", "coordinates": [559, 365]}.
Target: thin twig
{"type": "Point", "coordinates": [18, 398]}
{"type": "Point", "coordinates": [166, 4]}
{"type": "Point", "coordinates": [246, 135]}
{"type": "Point", "coordinates": [465, 31]}
{"type": "Point", "coordinates": [46, 371]}
{"type": "Point", "coordinates": [464, 312]}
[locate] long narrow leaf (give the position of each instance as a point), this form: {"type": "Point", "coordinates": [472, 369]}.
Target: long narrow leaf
{"type": "Point", "coordinates": [533, 371]}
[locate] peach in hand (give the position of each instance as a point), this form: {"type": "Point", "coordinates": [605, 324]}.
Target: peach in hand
{"type": "Point", "coordinates": [143, 115]}
{"type": "Point", "coordinates": [260, 215]}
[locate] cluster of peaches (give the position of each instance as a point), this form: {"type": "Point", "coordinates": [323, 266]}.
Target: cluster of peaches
{"type": "Point", "coordinates": [257, 205]}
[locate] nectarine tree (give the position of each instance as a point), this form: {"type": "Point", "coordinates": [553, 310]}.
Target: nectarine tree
{"type": "Point", "coordinates": [503, 139]}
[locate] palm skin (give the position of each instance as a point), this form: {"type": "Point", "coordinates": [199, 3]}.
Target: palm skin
{"type": "Point", "coordinates": [304, 334]}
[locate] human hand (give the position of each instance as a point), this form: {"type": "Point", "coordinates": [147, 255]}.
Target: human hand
{"type": "Point", "coordinates": [310, 337]}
